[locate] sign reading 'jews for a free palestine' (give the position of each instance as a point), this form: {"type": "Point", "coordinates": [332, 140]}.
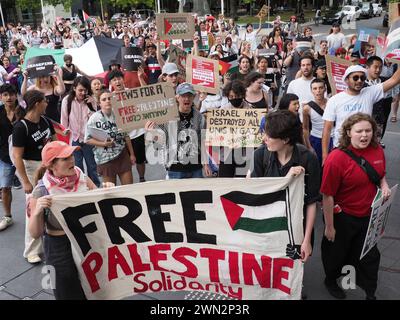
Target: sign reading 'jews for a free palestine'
{"type": "Point", "coordinates": [134, 107]}
{"type": "Point", "coordinates": [232, 238]}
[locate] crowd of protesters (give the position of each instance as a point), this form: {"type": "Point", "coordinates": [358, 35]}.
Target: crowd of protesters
{"type": "Point", "coordinates": [287, 81]}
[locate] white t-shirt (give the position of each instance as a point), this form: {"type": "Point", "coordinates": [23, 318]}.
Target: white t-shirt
{"type": "Point", "coordinates": [343, 105]}
{"type": "Point", "coordinates": [3, 72]}
{"type": "Point", "coordinates": [252, 38]}
{"type": "Point", "coordinates": [302, 88]}
{"type": "Point", "coordinates": [336, 41]}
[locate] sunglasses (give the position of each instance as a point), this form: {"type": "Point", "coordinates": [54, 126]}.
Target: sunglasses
{"type": "Point", "coordinates": [356, 78]}
{"type": "Point", "coordinates": [106, 99]}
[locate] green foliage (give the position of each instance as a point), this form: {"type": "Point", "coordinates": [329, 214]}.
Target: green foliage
{"type": "Point", "coordinates": [131, 3]}
{"type": "Point", "coordinates": [31, 4]}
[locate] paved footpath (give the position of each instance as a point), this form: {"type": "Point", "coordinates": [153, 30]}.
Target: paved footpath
{"type": "Point", "coordinates": [21, 280]}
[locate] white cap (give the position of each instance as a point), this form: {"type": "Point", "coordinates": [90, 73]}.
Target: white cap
{"type": "Point", "coordinates": [170, 68]}
{"type": "Point", "coordinates": [352, 69]}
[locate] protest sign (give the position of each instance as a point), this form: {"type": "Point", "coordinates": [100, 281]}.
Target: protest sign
{"type": "Point", "coordinates": [367, 39]}
{"type": "Point", "coordinates": [238, 239]}
{"type": "Point", "coordinates": [131, 58]}
{"type": "Point", "coordinates": [202, 73]}
{"type": "Point", "coordinates": [234, 128]}
{"type": "Point", "coordinates": [336, 68]}
{"type": "Point", "coordinates": [263, 12]}
{"type": "Point", "coordinates": [267, 52]}
{"type": "Point", "coordinates": [40, 66]}
{"type": "Point", "coordinates": [378, 220]}
{"type": "Point", "coordinates": [134, 107]}
{"type": "Point", "coordinates": [178, 56]}
{"type": "Point", "coordinates": [175, 26]}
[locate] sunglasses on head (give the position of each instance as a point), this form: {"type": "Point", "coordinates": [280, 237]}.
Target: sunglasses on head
{"type": "Point", "coordinates": [356, 78]}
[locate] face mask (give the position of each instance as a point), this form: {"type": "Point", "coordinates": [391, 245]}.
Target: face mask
{"type": "Point", "coordinates": [68, 64]}
{"type": "Point", "coordinates": [236, 102]}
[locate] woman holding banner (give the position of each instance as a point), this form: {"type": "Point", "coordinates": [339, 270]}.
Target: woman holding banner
{"type": "Point", "coordinates": [52, 87]}
{"type": "Point", "coordinates": [113, 150]}
{"type": "Point", "coordinates": [349, 188]}
{"type": "Point", "coordinates": [283, 154]}
{"type": "Point", "coordinates": [57, 175]}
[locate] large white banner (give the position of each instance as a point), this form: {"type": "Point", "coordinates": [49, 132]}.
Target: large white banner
{"type": "Point", "coordinates": [235, 237]}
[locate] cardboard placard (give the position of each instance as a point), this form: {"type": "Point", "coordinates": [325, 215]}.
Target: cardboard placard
{"type": "Point", "coordinates": [40, 66]}
{"type": "Point", "coordinates": [234, 128]}
{"type": "Point", "coordinates": [203, 74]}
{"type": "Point", "coordinates": [134, 107]}
{"type": "Point", "coordinates": [263, 12]}
{"type": "Point", "coordinates": [378, 220]}
{"type": "Point", "coordinates": [175, 26]}
{"type": "Point", "coordinates": [178, 56]}
{"type": "Point", "coordinates": [336, 68]}
{"type": "Point", "coordinates": [131, 58]}
{"type": "Point", "coordinates": [267, 52]}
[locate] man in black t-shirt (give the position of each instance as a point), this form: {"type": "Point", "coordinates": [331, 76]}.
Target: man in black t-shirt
{"type": "Point", "coordinates": [153, 67]}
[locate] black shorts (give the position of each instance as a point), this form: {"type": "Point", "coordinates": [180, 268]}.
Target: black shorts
{"type": "Point", "coordinates": [139, 149]}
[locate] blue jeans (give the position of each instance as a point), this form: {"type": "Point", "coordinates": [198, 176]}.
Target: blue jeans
{"type": "Point", "coordinates": [316, 143]}
{"type": "Point", "coordinates": [87, 153]}
{"type": "Point", "coordinates": [185, 174]}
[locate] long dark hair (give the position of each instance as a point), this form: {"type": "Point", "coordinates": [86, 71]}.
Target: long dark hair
{"type": "Point", "coordinates": [84, 82]}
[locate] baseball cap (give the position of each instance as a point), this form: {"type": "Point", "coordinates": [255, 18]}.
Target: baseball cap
{"type": "Point", "coordinates": [353, 69]}
{"type": "Point", "coordinates": [170, 68]}
{"type": "Point", "coordinates": [185, 88]}
{"type": "Point", "coordinates": [56, 150]}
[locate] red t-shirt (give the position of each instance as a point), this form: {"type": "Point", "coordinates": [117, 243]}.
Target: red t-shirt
{"type": "Point", "coordinates": [349, 185]}
{"type": "Point", "coordinates": [131, 79]}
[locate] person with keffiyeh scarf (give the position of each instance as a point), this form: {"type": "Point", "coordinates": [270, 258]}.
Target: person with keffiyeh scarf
{"type": "Point", "coordinates": [60, 176]}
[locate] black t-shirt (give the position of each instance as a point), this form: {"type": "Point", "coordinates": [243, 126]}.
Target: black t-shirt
{"type": "Point", "coordinates": [154, 69]}
{"type": "Point", "coordinates": [32, 137]}
{"type": "Point", "coordinates": [6, 128]}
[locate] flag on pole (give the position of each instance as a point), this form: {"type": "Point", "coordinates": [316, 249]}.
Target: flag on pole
{"type": "Point", "coordinates": [85, 16]}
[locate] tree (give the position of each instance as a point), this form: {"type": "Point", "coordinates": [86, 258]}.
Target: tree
{"type": "Point", "coordinates": [33, 4]}
{"type": "Point", "coordinates": [131, 3]}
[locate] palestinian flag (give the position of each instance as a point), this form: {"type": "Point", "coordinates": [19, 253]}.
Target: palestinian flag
{"type": "Point", "coordinates": [94, 56]}
{"type": "Point", "coordinates": [85, 16]}
{"type": "Point", "coordinates": [228, 65]}
{"type": "Point", "coordinates": [257, 213]}
{"type": "Point", "coordinates": [62, 133]}
{"type": "Point", "coordinates": [58, 55]}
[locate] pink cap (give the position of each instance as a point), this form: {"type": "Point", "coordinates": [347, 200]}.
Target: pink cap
{"type": "Point", "coordinates": [56, 150]}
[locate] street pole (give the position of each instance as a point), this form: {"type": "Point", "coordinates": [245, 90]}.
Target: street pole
{"type": "Point", "coordinates": [101, 9]}
{"type": "Point", "coordinates": [44, 18]}
{"type": "Point", "coordinates": [268, 8]}
{"type": "Point", "coordinates": [158, 6]}
{"type": "Point", "coordinates": [222, 7]}
{"type": "Point", "coordinates": [2, 17]}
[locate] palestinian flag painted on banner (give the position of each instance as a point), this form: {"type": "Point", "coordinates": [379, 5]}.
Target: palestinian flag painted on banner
{"type": "Point", "coordinates": [94, 56]}
{"type": "Point", "coordinates": [257, 213]}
